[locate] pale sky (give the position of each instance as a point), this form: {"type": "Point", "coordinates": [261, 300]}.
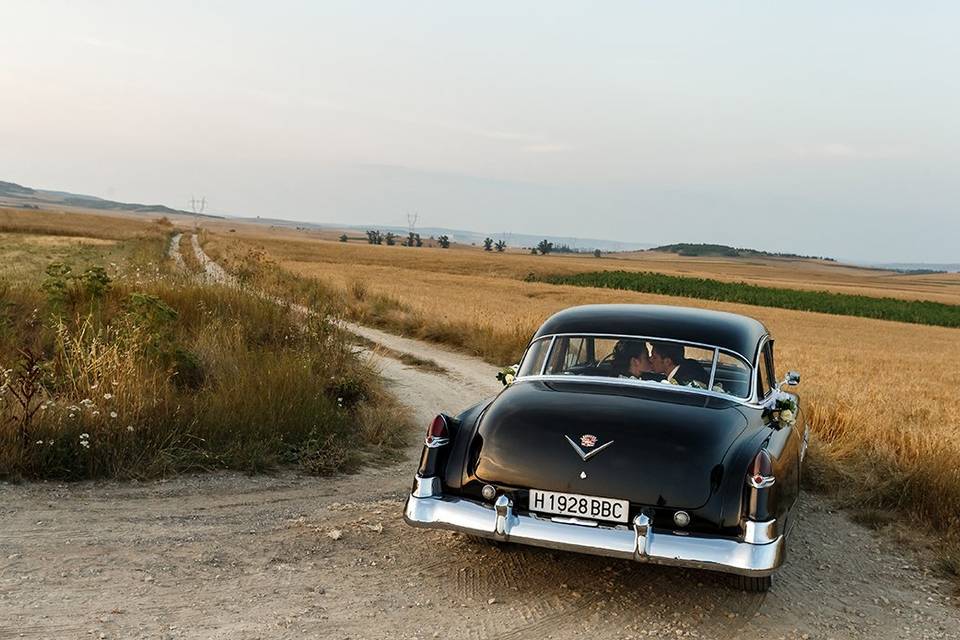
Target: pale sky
{"type": "Point", "coordinates": [827, 128]}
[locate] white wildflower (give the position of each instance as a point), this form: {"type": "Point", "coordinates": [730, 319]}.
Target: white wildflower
{"type": "Point", "coordinates": [87, 402]}
{"type": "Point", "coordinates": [130, 428]}
{"type": "Point", "coordinates": [39, 441]}
{"type": "Point", "coordinates": [113, 414]}
{"type": "Point", "coordinates": [108, 396]}
{"type": "Point", "coordinates": [95, 413]}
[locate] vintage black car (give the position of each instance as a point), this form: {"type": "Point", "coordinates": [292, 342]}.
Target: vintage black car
{"type": "Point", "coordinates": [652, 433]}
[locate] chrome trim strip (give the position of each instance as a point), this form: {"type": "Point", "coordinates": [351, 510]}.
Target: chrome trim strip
{"type": "Point", "coordinates": [546, 358]}
{"type": "Point", "coordinates": [433, 443]}
{"type": "Point", "coordinates": [702, 345]}
{"type": "Point", "coordinates": [642, 543]}
{"type": "Point", "coordinates": [647, 384]}
{"type": "Point", "coordinates": [713, 369]}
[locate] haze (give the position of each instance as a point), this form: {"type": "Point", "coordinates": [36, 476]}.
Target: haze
{"type": "Point", "coordinates": [819, 128]}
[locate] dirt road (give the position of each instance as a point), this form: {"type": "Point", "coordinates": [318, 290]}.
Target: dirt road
{"type": "Point", "coordinates": [227, 556]}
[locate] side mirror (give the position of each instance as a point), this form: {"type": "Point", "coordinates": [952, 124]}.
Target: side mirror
{"type": "Point", "coordinates": [792, 379]}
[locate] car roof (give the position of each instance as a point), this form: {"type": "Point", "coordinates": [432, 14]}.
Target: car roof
{"type": "Point", "coordinates": [729, 331]}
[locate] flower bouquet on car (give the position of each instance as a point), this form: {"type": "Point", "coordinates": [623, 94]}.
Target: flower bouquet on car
{"type": "Point", "coordinates": [783, 406]}
{"type": "Point", "coordinates": [507, 375]}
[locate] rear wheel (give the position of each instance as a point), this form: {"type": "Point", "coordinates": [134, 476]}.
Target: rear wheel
{"type": "Point", "coordinates": [753, 584]}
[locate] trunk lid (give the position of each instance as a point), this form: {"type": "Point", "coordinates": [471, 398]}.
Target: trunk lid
{"type": "Point", "coordinates": [667, 446]}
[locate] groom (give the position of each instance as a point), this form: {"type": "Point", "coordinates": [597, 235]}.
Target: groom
{"type": "Point", "coordinates": [667, 358]}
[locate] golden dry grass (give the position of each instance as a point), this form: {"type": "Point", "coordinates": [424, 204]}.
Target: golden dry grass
{"type": "Point", "coordinates": [87, 225]}
{"type": "Point", "coordinates": [880, 396]}
{"type": "Point", "coordinates": [30, 240]}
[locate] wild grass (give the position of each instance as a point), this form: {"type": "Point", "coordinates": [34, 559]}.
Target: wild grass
{"type": "Point", "coordinates": [915, 311]}
{"type": "Point", "coordinates": [880, 397]}
{"type": "Point", "coordinates": [170, 377]}
{"type": "Point", "coordinates": [133, 372]}
{"type": "Point", "coordinates": [31, 240]}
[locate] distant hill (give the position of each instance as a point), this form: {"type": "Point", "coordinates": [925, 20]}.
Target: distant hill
{"type": "Point", "coordinates": [722, 250]}
{"type": "Point", "coordinates": [14, 189]}
{"type": "Point", "coordinates": [13, 194]}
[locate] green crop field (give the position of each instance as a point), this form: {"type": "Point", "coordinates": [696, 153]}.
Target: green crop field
{"type": "Point", "coordinates": [913, 311]}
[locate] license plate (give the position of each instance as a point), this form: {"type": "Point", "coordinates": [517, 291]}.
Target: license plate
{"type": "Point", "coordinates": [574, 504]}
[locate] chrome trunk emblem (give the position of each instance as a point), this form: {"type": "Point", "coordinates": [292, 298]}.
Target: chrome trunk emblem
{"type": "Point", "coordinates": [586, 455]}
{"type": "Point", "coordinates": [588, 440]}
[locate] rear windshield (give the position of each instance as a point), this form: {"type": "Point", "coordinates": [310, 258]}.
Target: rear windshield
{"type": "Point", "coordinates": [649, 359]}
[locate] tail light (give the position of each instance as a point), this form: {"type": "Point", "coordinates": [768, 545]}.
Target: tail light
{"type": "Point", "coordinates": [439, 433]}
{"type": "Point", "coordinates": [761, 475]}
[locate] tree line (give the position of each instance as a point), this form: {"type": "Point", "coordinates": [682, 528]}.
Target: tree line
{"type": "Point", "coordinates": [412, 239]}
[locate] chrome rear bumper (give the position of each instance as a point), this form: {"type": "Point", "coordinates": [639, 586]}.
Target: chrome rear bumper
{"type": "Point", "coordinates": [759, 551]}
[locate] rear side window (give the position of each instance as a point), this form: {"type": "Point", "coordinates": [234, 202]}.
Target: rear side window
{"type": "Point", "coordinates": [533, 360]}
{"type": "Point", "coordinates": [732, 376]}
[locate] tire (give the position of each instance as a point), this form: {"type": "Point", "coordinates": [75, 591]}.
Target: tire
{"type": "Point", "coordinates": [752, 584]}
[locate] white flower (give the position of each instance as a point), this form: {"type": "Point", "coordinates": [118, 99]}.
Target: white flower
{"type": "Point", "coordinates": [113, 414]}
{"type": "Point", "coordinates": [509, 378]}
{"type": "Point", "coordinates": [87, 402]}
{"type": "Point", "coordinates": [84, 444]}
{"type": "Point", "coordinates": [130, 428]}
{"type": "Point", "coordinates": [95, 413]}
{"type": "Point", "coordinates": [39, 441]}
{"type": "Point", "coordinates": [84, 436]}
{"type": "Point", "coordinates": [787, 416]}
{"type": "Point", "coordinates": [108, 396]}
